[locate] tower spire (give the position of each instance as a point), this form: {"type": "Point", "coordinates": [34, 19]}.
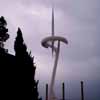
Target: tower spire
{"type": "Point", "coordinates": [53, 29]}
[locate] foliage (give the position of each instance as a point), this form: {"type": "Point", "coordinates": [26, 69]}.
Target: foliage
{"type": "Point", "coordinates": [27, 66]}
{"type": "Point", "coordinates": [3, 31]}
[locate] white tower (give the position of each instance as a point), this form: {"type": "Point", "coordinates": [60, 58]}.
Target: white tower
{"type": "Point", "coordinates": [49, 42]}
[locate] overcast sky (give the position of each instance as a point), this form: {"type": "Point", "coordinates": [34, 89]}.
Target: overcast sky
{"type": "Point", "coordinates": [76, 20]}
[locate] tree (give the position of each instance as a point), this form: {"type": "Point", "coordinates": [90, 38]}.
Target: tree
{"type": "Point", "coordinates": [19, 46]}
{"type": "Point", "coordinates": [3, 31]}
{"type": "Point", "coordinates": [26, 69]}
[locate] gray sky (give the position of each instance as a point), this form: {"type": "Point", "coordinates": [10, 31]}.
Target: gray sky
{"type": "Point", "coordinates": [76, 20]}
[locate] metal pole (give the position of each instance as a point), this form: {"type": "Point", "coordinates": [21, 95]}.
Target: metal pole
{"type": "Point", "coordinates": [63, 91]}
{"type": "Point", "coordinates": [82, 90]}
{"type": "Point", "coordinates": [46, 92]}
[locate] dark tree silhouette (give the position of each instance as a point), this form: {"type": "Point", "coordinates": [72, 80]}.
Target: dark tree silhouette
{"type": "Point", "coordinates": [3, 31]}
{"type": "Point", "coordinates": [17, 72]}
{"type": "Point", "coordinates": [26, 69]}
{"type": "Point", "coordinates": [19, 46]}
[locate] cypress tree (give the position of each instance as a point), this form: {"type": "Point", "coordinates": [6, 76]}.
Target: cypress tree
{"type": "Point", "coordinates": [26, 69]}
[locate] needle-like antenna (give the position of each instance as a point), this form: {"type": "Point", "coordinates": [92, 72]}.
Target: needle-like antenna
{"type": "Point", "coordinates": [53, 29]}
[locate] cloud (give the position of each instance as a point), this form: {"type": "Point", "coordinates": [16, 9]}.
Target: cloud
{"type": "Point", "coordinates": [76, 20]}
